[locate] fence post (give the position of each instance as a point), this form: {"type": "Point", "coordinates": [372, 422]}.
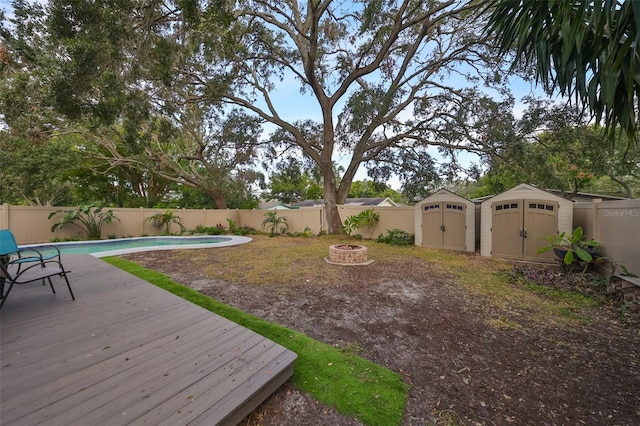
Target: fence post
{"type": "Point", "coordinates": [594, 218]}
{"type": "Point", "coordinates": [141, 221]}
{"type": "Point", "coordinates": [4, 223]}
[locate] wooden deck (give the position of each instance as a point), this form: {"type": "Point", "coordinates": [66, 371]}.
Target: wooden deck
{"type": "Point", "coordinates": [127, 352]}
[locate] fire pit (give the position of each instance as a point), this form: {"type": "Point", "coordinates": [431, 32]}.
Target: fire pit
{"type": "Point", "coordinates": [348, 254]}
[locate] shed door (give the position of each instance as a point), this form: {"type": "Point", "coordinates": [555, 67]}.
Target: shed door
{"type": "Point", "coordinates": [540, 220]}
{"type": "Point", "coordinates": [444, 225]}
{"type": "Point", "coordinates": [431, 225]}
{"type": "Point", "coordinates": [506, 228]}
{"type": "Point", "coordinates": [454, 226]}
{"type": "Point", "coordinates": [520, 227]}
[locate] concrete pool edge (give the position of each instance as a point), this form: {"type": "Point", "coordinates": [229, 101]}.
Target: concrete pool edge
{"type": "Point", "coordinates": [233, 240]}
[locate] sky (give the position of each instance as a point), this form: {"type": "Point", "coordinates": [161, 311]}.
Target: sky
{"type": "Point", "coordinates": [6, 5]}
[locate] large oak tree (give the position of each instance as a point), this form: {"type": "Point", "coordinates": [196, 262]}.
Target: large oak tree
{"type": "Point", "coordinates": [388, 79]}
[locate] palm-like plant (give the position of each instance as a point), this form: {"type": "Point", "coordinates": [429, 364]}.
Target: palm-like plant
{"type": "Point", "coordinates": [365, 219]}
{"type": "Point", "coordinates": [588, 49]}
{"type": "Point", "coordinates": [164, 220]}
{"type": "Point", "coordinates": [276, 224]}
{"type": "Point", "coordinates": [88, 218]}
{"type": "Point", "coordinates": [574, 247]}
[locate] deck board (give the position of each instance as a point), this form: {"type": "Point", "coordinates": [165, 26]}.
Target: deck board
{"type": "Point", "coordinates": [127, 352]}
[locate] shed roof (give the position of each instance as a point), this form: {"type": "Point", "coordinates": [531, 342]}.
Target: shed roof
{"type": "Point", "coordinates": [529, 190]}
{"type": "Point", "coordinates": [442, 192]}
{"type": "Point", "coordinates": [577, 197]}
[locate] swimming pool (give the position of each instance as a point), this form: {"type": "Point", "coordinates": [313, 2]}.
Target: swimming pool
{"type": "Point", "coordinates": [116, 247]}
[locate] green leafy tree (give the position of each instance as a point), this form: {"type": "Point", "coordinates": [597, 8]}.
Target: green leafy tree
{"type": "Point", "coordinates": [35, 110]}
{"type": "Point", "coordinates": [383, 76]}
{"type": "Point", "coordinates": [555, 147]}
{"type": "Point", "coordinates": [90, 219]}
{"type": "Point", "coordinates": [293, 181]}
{"type": "Point", "coordinates": [585, 49]}
{"type": "Point", "coordinates": [27, 61]}
{"type": "Point", "coordinates": [147, 126]}
{"type": "Point", "coordinates": [37, 174]}
{"type": "Point", "coordinates": [362, 64]}
{"type": "Point", "coordinates": [180, 134]}
{"type": "Point", "coordinates": [372, 189]}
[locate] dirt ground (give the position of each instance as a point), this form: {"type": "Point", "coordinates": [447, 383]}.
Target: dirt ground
{"type": "Point", "coordinates": [461, 368]}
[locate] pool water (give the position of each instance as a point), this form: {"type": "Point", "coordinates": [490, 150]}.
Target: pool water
{"type": "Point", "coordinates": [131, 245]}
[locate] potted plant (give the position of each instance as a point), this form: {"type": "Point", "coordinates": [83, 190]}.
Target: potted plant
{"type": "Point", "coordinates": [573, 247]}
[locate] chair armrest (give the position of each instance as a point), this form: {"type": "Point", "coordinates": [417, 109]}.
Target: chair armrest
{"type": "Point", "coordinates": [21, 272]}
{"type": "Point", "coordinates": [37, 253]}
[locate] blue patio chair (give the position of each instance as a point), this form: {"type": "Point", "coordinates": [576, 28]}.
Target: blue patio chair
{"type": "Point", "coordinates": [21, 266]}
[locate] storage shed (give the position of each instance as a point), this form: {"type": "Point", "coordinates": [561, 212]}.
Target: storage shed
{"type": "Point", "coordinates": [516, 223]}
{"type": "Point", "coordinates": [445, 220]}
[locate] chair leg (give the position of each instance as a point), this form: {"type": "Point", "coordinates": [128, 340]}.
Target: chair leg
{"type": "Point", "coordinates": [64, 275]}
{"type": "Point", "coordinates": [50, 284]}
{"type": "Point", "coordinates": [6, 295]}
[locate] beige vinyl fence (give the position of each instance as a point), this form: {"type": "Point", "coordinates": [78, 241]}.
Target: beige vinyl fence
{"type": "Point", "coordinates": [30, 224]}
{"type": "Point", "coordinates": [616, 224]}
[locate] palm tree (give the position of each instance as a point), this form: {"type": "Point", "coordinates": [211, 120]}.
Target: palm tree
{"type": "Point", "coordinates": [588, 49]}
{"type": "Point", "coordinates": [164, 220]}
{"type": "Point", "coordinates": [275, 223]}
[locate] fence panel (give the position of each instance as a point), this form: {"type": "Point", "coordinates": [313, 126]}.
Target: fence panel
{"type": "Point", "coordinates": [616, 224]}
{"type": "Point", "coordinates": [29, 224]}
{"type": "Point", "coordinates": [391, 217]}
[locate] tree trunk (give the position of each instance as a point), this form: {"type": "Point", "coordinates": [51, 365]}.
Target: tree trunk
{"type": "Point", "coordinates": [334, 223]}
{"type": "Point", "coordinates": [218, 197]}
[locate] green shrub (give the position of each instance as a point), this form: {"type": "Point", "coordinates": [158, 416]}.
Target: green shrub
{"type": "Point", "coordinates": [306, 233]}
{"type": "Point", "coordinates": [365, 219]}
{"type": "Point", "coordinates": [89, 218]}
{"type": "Point", "coordinates": [210, 230]}
{"type": "Point", "coordinates": [246, 230]}
{"type": "Point", "coordinates": [233, 228]}
{"type": "Point", "coordinates": [397, 237]}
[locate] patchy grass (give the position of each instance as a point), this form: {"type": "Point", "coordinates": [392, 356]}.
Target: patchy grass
{"type": "Point", "coordinates": [338, 378]}
{"type": "Point", "coordinates": [284, 261]}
